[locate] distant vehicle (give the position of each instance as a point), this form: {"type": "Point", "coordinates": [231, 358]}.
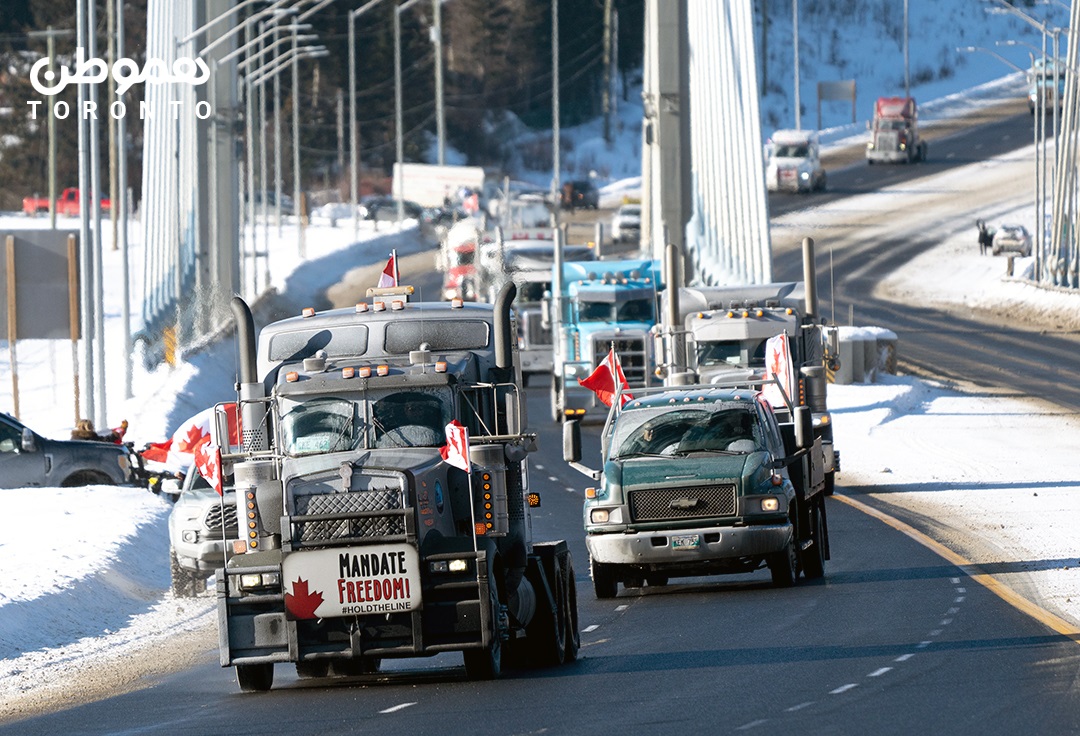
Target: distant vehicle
{"type": "Point", "coordinates": [793, 162]}
{"type": "Point", "coordinates": [270, 197]}
{"type": "Point", "coordinates": [626, 224]}
{"type": "Point", "coordinates": [894, 132]}
{"type": "Point", "coordinates": [66, 204]}
{"type": "Point", "coordinates": [1012, 239]}
{"type": "Point", "coordinates": [1041, 85]}
{"type": "Point", "coordinates": [580, 193]}
{"type": "Point", "coordinates": [385, 209]}
{"type": "Point", "coordinates": [200, 523]}
{"type": "Point", "coordinates": [29, 460]}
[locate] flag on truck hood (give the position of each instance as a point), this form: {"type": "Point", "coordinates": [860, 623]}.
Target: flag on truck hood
{"type": "Point", "coordinates": [456, 450]}
{"type": "Point", "coordinates": [389, 276]}
{"type": "Point", "coordinates": [178, 452]}
{"type": "Point", "coordinates": [606, 380]}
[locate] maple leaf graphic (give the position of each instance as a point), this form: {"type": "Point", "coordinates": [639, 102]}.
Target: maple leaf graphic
{"type": "Point", "coordinates": [300, 603]}
{"type": "Point", "coordinates": [195, 437]}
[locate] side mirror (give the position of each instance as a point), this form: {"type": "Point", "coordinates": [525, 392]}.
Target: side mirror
{"type": "Point", "coordinates": [170, 486]}
{"type": "Point", "coordinates": [29, 444]}
{"type": "Point", "coordinates": [571, 441]}
{"type": "Point", "coordinates": [804, 427]}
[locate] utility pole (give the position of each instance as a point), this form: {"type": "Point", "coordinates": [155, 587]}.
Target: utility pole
{"type": "Point", "coordinates": [50, 35]}
{"type": "Point", "coordinates": [556, 164]}
{"type": "Point", "coordinates": [110, 35]}
{"type": "Point", "coordinates": [606, 97]}
{"type": "Point", "coordinates": [340, 130]}
{"type": "Point", "coordinates": [440, 112]}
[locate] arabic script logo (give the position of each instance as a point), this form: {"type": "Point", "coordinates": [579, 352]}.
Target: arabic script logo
{"type": "Point", "coordinates": [125, 71]}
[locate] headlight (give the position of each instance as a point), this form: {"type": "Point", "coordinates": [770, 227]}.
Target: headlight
{"type": "Point", "coordinates": [770, 504]}
{"type": "Point", "coordinates": [821, 420]}
{"type": "Point", "coordinates": [255, 581]}
{"type": "Point", "coordinates": [599, 516]}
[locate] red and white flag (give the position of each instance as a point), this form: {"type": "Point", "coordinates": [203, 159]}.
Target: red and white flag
{"type": "Point", "coordinates": [178, 453]}
{"type": "Point", "coordinates": [778, 365]}
{"type": "Point", "coordinates": [606, 380]}
{"type": "Point", "coordinates": [389, 276]}
{"type": "Point", "coordinates": [456, 450]}
{"type": "Point", "coordinates": [208, 461]}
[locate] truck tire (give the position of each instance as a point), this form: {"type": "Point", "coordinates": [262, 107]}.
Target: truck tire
{"type": "Point", "coordinates": [813, 557]}
{"type": "Point", "coordinates": [86, 478]}
{"type": "Point", "coordinates": [784, 566]}
{"type": "Point", "coordinates": [605, 584]}
{"type": "Point", "coordinates": [312, 670]}
{"type": "Point", "coordinates": [255, 678]}
{"type": "Point", "coordinates": [656, 580]}
{"type": "Point", "coordinates": [486, 663]}
{"type": "Point", "coordinates": [185, 583]}
{"type": "Point", "coordinates": [549, 630]}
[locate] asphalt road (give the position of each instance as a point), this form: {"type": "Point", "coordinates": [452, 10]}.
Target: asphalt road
{"type": "Point", "coordinates": [893, 640]}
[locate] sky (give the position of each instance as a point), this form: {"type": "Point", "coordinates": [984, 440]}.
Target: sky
{"type": "Point", "coordinates": [96, 587]}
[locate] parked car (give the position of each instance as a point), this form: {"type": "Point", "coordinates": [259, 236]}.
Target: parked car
{"type": "Point", "coordinates": [29, 460]}
{"type": "Point", "coordinates": [270, 197]}
{"type": "Point", "coordinates": [581, 193]}
{"type": "Point", "coordinates": [197, 544]}
{"type": "Point", "coordinates": [626, 224]}
{"type": "Point", "coordinates": [1012, 239]}
{"type": "Point", "coordinates": [385, 209]}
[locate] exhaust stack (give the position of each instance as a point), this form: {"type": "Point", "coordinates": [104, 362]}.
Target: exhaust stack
{"type": "Point", "coordinates": [252, 412]}
{"type": "Point", "coordinates": [809, 277]}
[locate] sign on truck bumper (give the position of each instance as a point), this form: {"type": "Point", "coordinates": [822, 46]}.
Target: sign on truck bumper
{"type": "Point", "coordinates": [351, 581]}
{"type": "Point", "coordinates": [688, 546]}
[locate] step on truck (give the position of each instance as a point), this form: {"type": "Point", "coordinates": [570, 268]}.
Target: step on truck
{"type": "Point", "coordinates": [361, 541]}
{"type": "Point", "coordinates": [724, 331]}
{"type": "Point", "coordinates": [703, 480]}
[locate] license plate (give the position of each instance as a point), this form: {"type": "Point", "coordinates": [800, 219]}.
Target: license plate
{"type": "Point", "coordinates": [686, 541]}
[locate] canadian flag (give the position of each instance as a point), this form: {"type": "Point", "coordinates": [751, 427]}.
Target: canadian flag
{"type": "Point", "coordinates": [178, 453]}
{"type": "Point", "coordinates": [456, 450]}
{"type": "Point", "coordinates": [389, 276]}
{"type": "Point", "coordinates": [778, 365]}
{"type": "Point", "coordinates": [606, 380]}
{"type": "Point", "coordinates": [208, 461]}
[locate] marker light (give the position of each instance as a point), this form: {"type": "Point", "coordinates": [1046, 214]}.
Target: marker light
{"type": "Point", "coordinates": [238, 547]}
{"type": "Point", "coordinates": [362, 307]}
{"type": "Point", "coordinates": [292, 376]}
{"type": "Point", "coordinates": [533, 499]}
{"type": "Point", "coordinates": [383, 370]}
{"type": "Point", "coordinates": [308, 312]}
{"type": "Point", "coordinates": [365, 371]}
{"type": "Point", "coordinates": [380, 306]}
{"type": "Point", "coordinates": [348, 372]}
{"type": "Point", "coordinates": [397, 305]}
{"type": "Point", "coordinates": [440, 366]}
{"type": "Point", "coordinates": [590, 493]}
{"type": "Point", "coordinates": [457, 303]}
{"type": "Point", "coordinates": [481, 528]}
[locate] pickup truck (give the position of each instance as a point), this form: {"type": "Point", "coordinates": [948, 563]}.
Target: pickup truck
{"type": "Point", "coordinates": [66, 204]}
{"type": "Point", "coordinates": [197, 543]}
{"type": "Point", "coordinates": [28, 460]}
{"type": "Point", "coordinates": [703, 480]}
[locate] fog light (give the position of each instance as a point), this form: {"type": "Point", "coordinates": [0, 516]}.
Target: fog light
{"type": "Point", "coordinates": [770, 504]}
{"type": "Point", "coordinates": [190, 536]}
{"type": "Point", "coordinates": [248, 582]}
{"type": "Point", "coordinates": [599, 516]}
{"type": "Point", "coordinates": [440, 566]}
{"type": "Point", "coordinates": [459, 565]}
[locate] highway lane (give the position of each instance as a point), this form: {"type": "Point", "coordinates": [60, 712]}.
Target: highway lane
{"type": "Point", "coordinates": [893, 639]}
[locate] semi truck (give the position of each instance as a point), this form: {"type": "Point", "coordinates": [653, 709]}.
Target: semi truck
{"type": "Point", "coordinates": [894, 132]}
{"type": "Point", "coordinates": [747, 492]}
{"type": "Point", "coordinates": [364, 533]}
{"type": "Point", "coordinates": [596, 306]}
{"type": "Point", "coordinates": [723, 332]}
{"type": "Point", "coordinates": [793, 162]}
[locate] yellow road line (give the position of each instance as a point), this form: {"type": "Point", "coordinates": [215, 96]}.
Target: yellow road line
{"type": "Point", "coordinates": [970, 569]}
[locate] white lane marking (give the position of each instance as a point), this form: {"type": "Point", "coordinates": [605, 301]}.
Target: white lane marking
{"type": "Point", "coordinates": [961, 590]}
{"type": "Point", "coordinates": [960, 599]}
{"type": "Point", "coordinates": [538, 466]}
{"type": "Point", "coordinates": [751, 724]}
{"type": "Point", "coordinates": [553, 479]}
{"type": "Point", "coordinates": [945, 622]}
{"type": "Point", "coordinates": [923, 644]}
{"type": "Point", "coordinates": [571, 490]}
{"type": "Point", "coordinates": [954, 581]}
{"type": "Point", "coordinates": [396, 708]}
{"type": "Point", "coordinates": [621, 608]}
{"type": "Point", "coordinates": [589, 629]}
{"type": "Point", "coordinates": [880, 672]}
{"type": "Point", "coordinates": [952, 612]}
{"type": "Point", "coordinates": [935, 632]}
{"type": "Point", "coordinates": [904, 657]}
{"type": "Point", "coordinates": [844, 688]}
{"type": "Point", "coordinates": [800, 706]}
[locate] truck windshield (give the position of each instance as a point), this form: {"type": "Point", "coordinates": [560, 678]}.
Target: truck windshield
{"type": "Point", "coordinates": [411, 418]}
{"type": "Point", "coordinates": [532, 291]}
{"type": "Point", "coordinates": [720, 427]}
{"type": "Point", "coordinates": [731, 352]}
{"type": "Point", "coordinates": [634, 310]}
{"type": "Point", "coordinates": [791, 151]}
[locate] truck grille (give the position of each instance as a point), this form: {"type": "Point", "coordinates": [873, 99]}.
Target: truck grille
{"type": "Point", "coordinates": [328, 504]}
{"type": "Point", "coordinates": [632, 357]}
{"type": "Point", "coordinates": [213, 518]}
{"type": "Point", "coordinates": [697, 502]}
{"type": "Point", "coordinates": [535, 334]}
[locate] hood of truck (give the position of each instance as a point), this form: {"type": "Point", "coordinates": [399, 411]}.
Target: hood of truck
{"type": "Point", "coordinates": [397, 459]}
{"type": "Point", "coordinates": [694, 470]}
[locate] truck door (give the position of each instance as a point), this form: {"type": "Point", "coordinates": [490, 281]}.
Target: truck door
{"type": "Point", "coordinates": [18, 469]}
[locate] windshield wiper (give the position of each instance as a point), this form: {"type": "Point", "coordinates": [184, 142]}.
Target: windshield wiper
{"type": "Point", "coordinates": [627, 455]}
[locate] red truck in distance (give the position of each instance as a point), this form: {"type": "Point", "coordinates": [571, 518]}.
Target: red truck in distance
{"type": "Point", "coordinates": [66, 204]}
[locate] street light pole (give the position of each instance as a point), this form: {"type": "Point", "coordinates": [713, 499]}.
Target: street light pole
{"type": "Point", "coordinates": [398, 113]}
{"type": "Point", "coordinates": [354, 133]}
{"type": "Point", "coordinates": [556, 163]}
{"type": "Point", "coordinates": [795, 44]}
{"type": "Point", "coordinates": [440, 115]}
